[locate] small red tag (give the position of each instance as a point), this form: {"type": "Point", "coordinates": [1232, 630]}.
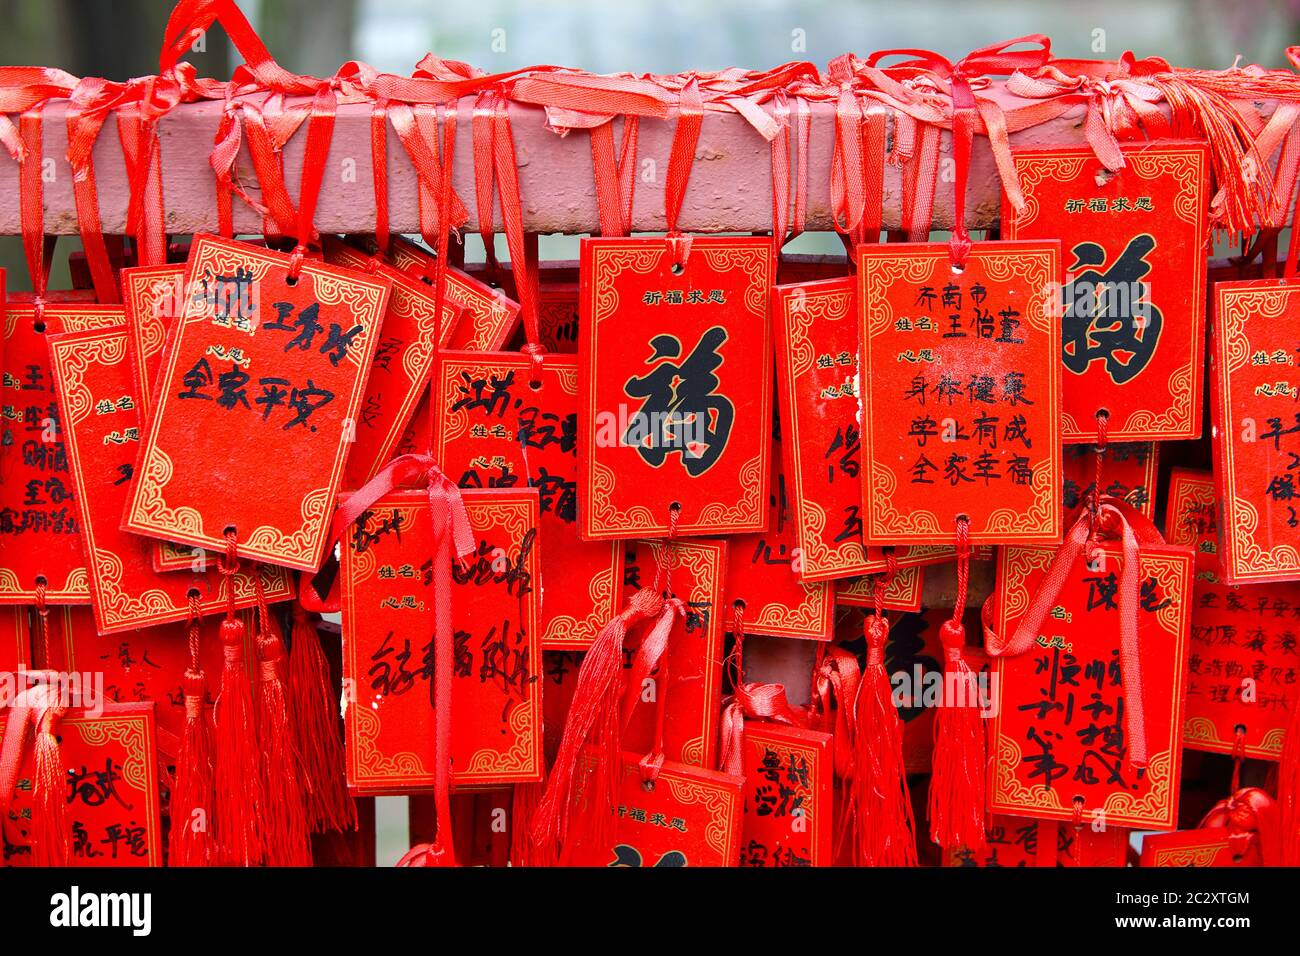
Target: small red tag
{"type": "Point", "coordinates": [788, 793]}
{"type": "Point", "coordinates": [1256, 382]}
{"type": "Point", "coordinates": [257, 359]}
{"type": "Point", "coordinates": [1128, 472]}
{"type": "Point", "coordinates": [1059, 728]}
{"type": "Point", "coordinates": [111, 782]}
{"type": "Point", "coordinates": [688, 817]}
{"type": "Point", "coordinates": [102, 435]}
{"type": "Point", "coordinates": [677, 394]}
{"type": "Point", "coordinates": [388, 602]}
{"type": "Point", "coordinates": [148, 665]}
{"type": "Point", "coordinates": [38, 510]}
{"type": "Point", "coordinates": [963, 417]}
{"type": "Point", "coordinates": [502, 423]}
{"type": "Point", "coordinates": [1134, 245]}
{"type": "Point", "coordinates": [1243, 671]}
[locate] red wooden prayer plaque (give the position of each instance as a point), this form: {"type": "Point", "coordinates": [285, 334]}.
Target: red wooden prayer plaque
{"type": "Point", "coordinates": [101, 420]}
{"type": "Point", "coordinates": [388, 643]}
{"type": "Point", "coordinates": [152, 296]}
{"type": "Point", "coordinates": [557, 316]}
{"type": "Point", "coordinates": [1060, 730]}
{"type": "Point", "coordinates": [1129, 473]}
{"type": "Point", "coordinates": [902, 593]}
{"type": "Point", "coordinates": [1205, 846]}
{"type": "Point", "coordinates": [148, 665]}
{"type": "Point", "coordinates": [412, 332]}
{"type": "Point", "coordinates": [1244, 665]}
{"type": "Point", "coordinates": [690, 817]}
{"type": "Point", "coordinates": [1255, 366]}
{"type": "Point", "coordinates": [258, 360]}
{"type": "Point", "coordinates": [111, 782]}
{"type": "Point", "coordinates": [817, 368]}
{"type": "Point", "coordinates": [763, 572]}
{"type": "Point", "coordinates": [15, 638]}
{"type": "Point", "coordinates": [963, 412]}
{"type": "Point", "coordinates": [816, 322]}
{"type": "Point", "coordinates": [695, 572]}
{"type": "Point", "coordinates": [39, 524]}
{"type": "Point", "coordinates": [487, 316]}
{"type": "Point", "coordinates": [1022, 841]}
{"type": "Point", "coordinates": [788, 782]}
{"type": "Point", "coordinates": [677, 387]}
{"type": "Point", "coordinates": [499, 425]}
{"type": "Point", "coordinates": [1135, 246]}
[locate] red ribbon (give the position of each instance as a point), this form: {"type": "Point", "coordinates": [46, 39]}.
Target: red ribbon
{"type": "Point", "coordinates": [452, 536]}
{"type": "Point", "coordinates": [996, 60]}
{"type": "Point", "coordinates": [1116, 520]}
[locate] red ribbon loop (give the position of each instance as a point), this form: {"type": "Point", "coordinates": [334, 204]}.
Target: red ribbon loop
{"type": "Point", "coordinates": [1117, 521]}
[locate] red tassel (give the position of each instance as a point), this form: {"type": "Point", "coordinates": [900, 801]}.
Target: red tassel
{"type": "Point", "coordinates": [284, 817]}
{"type": "Point", "coordinates": [594, 717]}
{"type": "Point", "coordinates": [194, 795]}
{"type": "Point", "coordinates": [1288, 790]}
{"type": "Point", "coordinates": [523, 805]}
{"type": "Point", "coordinates": [957, 781]}
{"type": "Point", "coordinates": [317, 731]}
{"type": "Point", "coordinates": [50, 840]}
{"type": "Point", "coordinates": [238, 784]}
{"type": "Point", "coordinates": [886, 832]}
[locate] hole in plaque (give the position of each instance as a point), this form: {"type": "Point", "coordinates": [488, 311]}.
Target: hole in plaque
{"type": "Point", "coordinates": [291, 281]}
{"type": "Point", "coordinates": [229, 529]}
{"type": "Point", "coordinates": [193, 594]}
{"type": "Point", "coordinates": [39, 326]}
{"type": "Point", "coordinates": [678, 268]}
{"type": "Point", "coordinates": [41, 581]}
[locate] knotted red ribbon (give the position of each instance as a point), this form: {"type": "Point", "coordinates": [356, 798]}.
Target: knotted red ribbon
{"type": "Point", "coordinates": [975, 67]}
{"type": "Point", "coordinates": [750, 701]}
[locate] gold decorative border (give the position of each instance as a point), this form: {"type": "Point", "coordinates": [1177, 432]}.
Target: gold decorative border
{"type": "Point", "coordinates": [135, 733]}
{"type": "Point", "coordinates": [370, 770]}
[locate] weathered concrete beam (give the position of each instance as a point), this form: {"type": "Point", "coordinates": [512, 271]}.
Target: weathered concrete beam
{"type": "Point", "coordinates": [729, 191]}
